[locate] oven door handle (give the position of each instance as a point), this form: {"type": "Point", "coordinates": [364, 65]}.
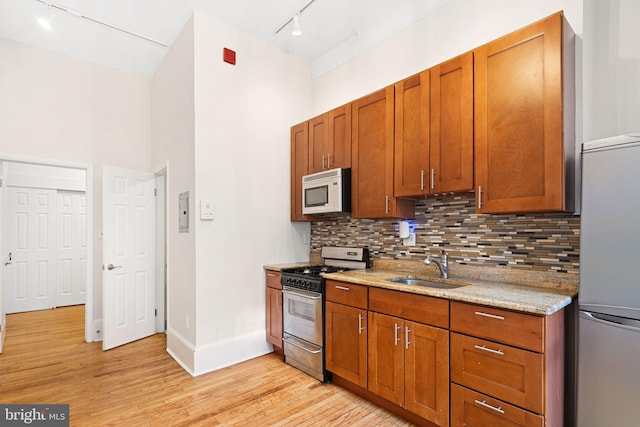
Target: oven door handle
{"type": "Point", "coordinates": [302, 294]}
{"type": "Point", "coordinates": [295, 344]}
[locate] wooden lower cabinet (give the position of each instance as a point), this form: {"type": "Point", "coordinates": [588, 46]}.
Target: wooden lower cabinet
{"type": "Point", "coordinates": [409, 365]}
{"type": "Point", "coordinates": [470, 408]}
{"type": "Point", "coordinates": [386, 357]}
{"type": "Point", "coordinates": [346, 342]}
{"type": "Point", "coordinates": [274, 310]}
{"type": "Point", "coordinates": [514, 360]}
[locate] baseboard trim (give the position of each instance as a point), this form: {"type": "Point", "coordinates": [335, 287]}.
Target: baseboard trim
{"type": "Point", "coordinates": [218, 355]}
{"type": "Point", "coordinates": [181, 350]}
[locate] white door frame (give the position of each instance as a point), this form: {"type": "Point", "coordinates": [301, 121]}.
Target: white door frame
{"type": "Point", "coordinates": [162, 245]}
{"type": "Point", "coordinates": [89, 335]}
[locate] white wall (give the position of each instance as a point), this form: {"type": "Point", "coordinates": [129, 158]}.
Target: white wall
{"type": "Point", "coordinates": [455, 28]}
{"type": "Point", "coordinates": [243, 116]}
{"type": "Point", "coordinates": [60, 108]}
{"type": "Point", "coordinates": [173, 134]}
{"type": "Point", "coordinates": [611, 68]}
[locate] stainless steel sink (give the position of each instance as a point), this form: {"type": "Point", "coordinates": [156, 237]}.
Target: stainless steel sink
{"type": "Point", "coordinates": [412, 280]}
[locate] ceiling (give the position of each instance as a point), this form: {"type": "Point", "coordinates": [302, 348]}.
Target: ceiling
{"type": "Point", "coordinates": [345, 26]}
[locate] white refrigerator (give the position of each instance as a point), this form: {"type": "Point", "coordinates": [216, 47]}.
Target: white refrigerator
{"type": "Point", "coordinates": [609, 291]}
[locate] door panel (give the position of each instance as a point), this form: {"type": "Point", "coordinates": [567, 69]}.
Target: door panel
{"type": "Point", "coordinates": [31, 239]}
{"type": "Point", "coordinates": [129, 250]}
{"type": "Point", "coordinates": [72, 248]}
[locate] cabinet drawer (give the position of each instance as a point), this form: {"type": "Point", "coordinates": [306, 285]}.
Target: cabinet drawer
{"type": "Point", "coordinates": [273, 279]}
{"type": "Point", "coordinates": [347, 293]}
{"type": "Point", "coordinates": [470, 408]}
{"type": "Point", "coordinates": [419, 308]}
{"type": "Point", "coordinates": [508, 373]}
{"type": "Point", "coordinates": [517, 329]}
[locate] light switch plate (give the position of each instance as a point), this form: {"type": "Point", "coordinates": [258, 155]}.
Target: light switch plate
{"type": "Point", "coordinates": [206, 210]}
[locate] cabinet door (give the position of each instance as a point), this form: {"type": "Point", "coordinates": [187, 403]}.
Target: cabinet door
{"type": "Point", "coordinates": [451, 139]}
{"type": "Point", "coordinates": [412, 136]}
{"type": "Point", "coordinates": [372, 162]}
{"type": "Point", "coordinates": [386, 357]}
{"type": "Point", "coordinates": [519, 120]}
{"type": "Point", "coordinates": [427, 372]}
{"type": "Point", "coordinates": [318, 143]}
{"type": "Point", "coordinates": [346, 342]}
{"type": "Point", "coordinates": [339, 155]}
{"type": "Point", "coordinates": [299, 168]}
{"type": "Point", "coordinates": [470, 408]}
{"type": "Point", "coordinates": [274, 316]}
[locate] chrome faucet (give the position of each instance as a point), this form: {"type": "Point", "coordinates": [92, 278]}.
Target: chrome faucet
{"type": "Point", "coordinates": [442, 265]}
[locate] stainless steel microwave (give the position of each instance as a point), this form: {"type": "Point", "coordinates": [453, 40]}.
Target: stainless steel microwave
{"type": "Point", "coordinates": [327, 192]}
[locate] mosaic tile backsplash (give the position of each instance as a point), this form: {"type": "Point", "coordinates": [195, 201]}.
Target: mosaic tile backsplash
{"type": "Point", "coordinates": [535, 242]}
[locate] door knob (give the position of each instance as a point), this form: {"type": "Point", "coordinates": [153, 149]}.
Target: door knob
{"type": "Point", "coordinates": [112, 267]}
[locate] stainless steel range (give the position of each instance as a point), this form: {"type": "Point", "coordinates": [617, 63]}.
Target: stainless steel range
{"type": "Point", "coordinates": [303, 295]}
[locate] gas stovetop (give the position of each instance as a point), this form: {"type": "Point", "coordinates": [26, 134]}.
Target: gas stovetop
{"type": "Point", "coordinates": [337, 259]}
{"type": "Point", "coordinates": [309, 277]}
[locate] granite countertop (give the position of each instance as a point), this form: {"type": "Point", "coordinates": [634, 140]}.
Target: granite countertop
{"type": "Point", "coordinates": [529, 299]}
{"type": "Point", "coordinates": [280, 267]}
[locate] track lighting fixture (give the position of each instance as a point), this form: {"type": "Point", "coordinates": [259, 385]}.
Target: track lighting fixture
{"type": "Point", "coordinates": [296, 29]}
{"type": "Point", "coordinates": [47, 22]}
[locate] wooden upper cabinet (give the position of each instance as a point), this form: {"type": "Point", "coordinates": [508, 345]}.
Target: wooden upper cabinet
{"type": "Point", "coordinates": [451, 141]}
{"type": "Point", "coordinates": [521, 121]}
{"type": "Point", "coordinates": [372, 161]}
{"type": "Point", "coordinates": [330, 140]}
{"type": "Point", "coordinates": [299, 168]}
{"type": "Point", "coordinates": [411, 176]}
{"type": "Point", "coordinates": [318, 142]}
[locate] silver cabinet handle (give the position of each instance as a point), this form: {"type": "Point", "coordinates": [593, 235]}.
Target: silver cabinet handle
{"type": "Point", "coordinates": [493, 408]}
{"type": "Point", "coordinates": [396, 338]}
{"type": "Point", "coordinates": [323, 161]}
{"type": "Point", "coordinates": [344, 288]}
{"type": "Point", "coordinates": [271, 275]}
{"type": "Point", "coordinates": [113, 267]}
{"type": "Point", "coordinates": [406, 337]}
{"type": "Point", "coordinates": [490, 350]}
{"type": "Point", "coordinates": [329, 161]}
{"type": "Point", "coordinates": [277, 301]}
{"type": "Point", "coordinates": [479, 197]}
{"type": "Point", "coordinates": [433, 179]}
{"type": "Point", "coordinates": [492, 316]}
{"type": "Point", "coordinates": [360, 327]}
{"type": "Point", "coordinates": [422, 179]}
{"type": "Point", "coordinates": [386, 206]}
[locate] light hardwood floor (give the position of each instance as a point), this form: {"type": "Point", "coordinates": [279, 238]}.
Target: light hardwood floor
{"type": "Point", "coordinates": [46, 360]}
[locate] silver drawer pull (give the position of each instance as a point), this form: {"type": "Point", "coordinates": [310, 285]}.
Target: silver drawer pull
{"type": "Point", "coordinates": [308, 350]}
{"type": "Point", "coordinates": [271, 275]}
{"type": "Point", "coordinates": [493, 408]}
{"type": "Point", "coordinates": [492, 316]}
{"type": "Point", "coordinates": [344, 288]}
{"type": "Point", "coordinates": [360, 328]}
{"type": "Point", "coordinates": [490, 350]}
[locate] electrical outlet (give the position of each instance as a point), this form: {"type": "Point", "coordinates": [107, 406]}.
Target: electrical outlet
{"type": "Point", "coordinates": [186, 320]}
{"type": "Point", "coordinates": [306, 238]}
{"type": "Point", "coordinates": [410, 241]}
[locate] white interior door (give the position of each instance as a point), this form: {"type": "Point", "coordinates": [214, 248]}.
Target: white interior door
{"type": "Point", "coordinates": [72, 248]}
{"type": "Point", "coordinates": [128, 217]}
{"type": "Point", "coordinates": [31, 277]}
{"type": "Point", "coordinates": [4, 261]}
